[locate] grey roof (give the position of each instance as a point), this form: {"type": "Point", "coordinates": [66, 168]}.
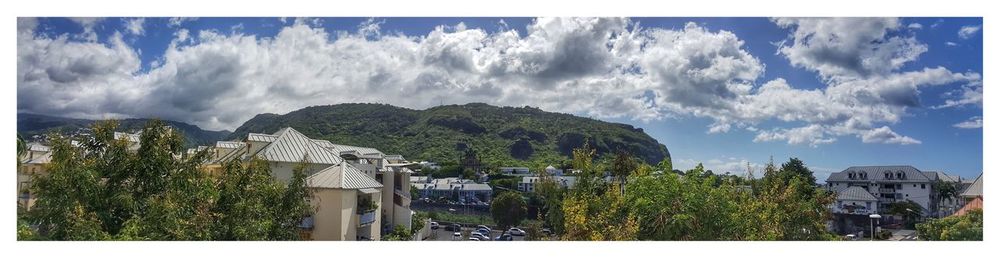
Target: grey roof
{"type": "Point", "coordinates": [877, 173]}
{"type": "Point", "coordinates": [975, 189]}
{"type": "Point", "coordinates": [292, 146]}
{"type": "Point", "coordinates": [942, 176]}
{"type": "Point", "coordinates": [338, 148]}
{"type": "Point", "coordinates": [43, 158]}
{"type": "Point", "coordinates": [228, 145]}
{"type": "Point", "coordinates": [451, 183]}
{"type": "Point", "coordinates": [342, 176]}
{"type": "Point", "coordinates": [34, 146]}
{"type": "Point", "coordinates": [259, 137]}
{"type": "Point", "coordinates": [855, 193]}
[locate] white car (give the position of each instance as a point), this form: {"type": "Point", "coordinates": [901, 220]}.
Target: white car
{"type": "Point", "coordinates": [473, 239]}
{"type": "Point", "coordinates": [434, 225]}
{"type": "Point", "coordinates": [479, 236]}
{"type": "Point", "coordinates": [457, 235]}
{"type": "Point", "coordinates": [516, 232]}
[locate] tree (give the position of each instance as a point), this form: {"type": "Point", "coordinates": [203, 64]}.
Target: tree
{"type": "Point", "coordinates": [508, 209]}
{"type": "Point", "coordinates": [909, 210]}
{"type": "Point", "coordinates": [155, 193]}
{"type": "Point", "coordinates": [946, 190]}
{"type": "Point", "coordinates": [622, 166]}
{"type": "Point", "coordinates": [967, 227]}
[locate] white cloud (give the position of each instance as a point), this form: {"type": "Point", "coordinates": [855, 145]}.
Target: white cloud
{"type": "Point", "coordinates": [967, 32]}
{"type": "Point", "coordinates": [969, 95]}
{"type": "Point", "coordinates": [600, 67]}
{"type": "Point", "coordinates": [720, 166]}
{"type": "Point", "coordinates": [885, 135]}
{"type": "Point", "coordinates": [973, 123]}
{"type": "Point", "coordinates": [88, 24]}
{"type": "Point", "coordinates": [915, 26]}
{"type": "Point", "coordinates": [950, 44]}
{"type": "Point", "coordinates": [178, 21]}
{"type": "Point", "coordinates": [848, 47]}
{"type": "Point", "coordinates": [134, 26]}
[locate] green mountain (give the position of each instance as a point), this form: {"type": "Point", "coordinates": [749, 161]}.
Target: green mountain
{"type": "Point", "coordinates": [502, 136]}
{"type": "Point", "coordinates": [30, 125]}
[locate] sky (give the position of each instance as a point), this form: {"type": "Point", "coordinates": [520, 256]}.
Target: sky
{"type": "Point", "coordinates": [834, 92]}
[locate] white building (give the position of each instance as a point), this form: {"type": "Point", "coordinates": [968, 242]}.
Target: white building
{"type": "Point", "coordinates": [890, 184]}
{"type": "Point", "coordinates": [462, 190]}
{"type": "Point", "coordinates": [528, 183]}
{"type": "Point", "coordinates": [515, 171]}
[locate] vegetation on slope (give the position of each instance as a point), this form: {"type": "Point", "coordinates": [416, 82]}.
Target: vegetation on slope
{"type": "Point", "coordinates": [505, 136]}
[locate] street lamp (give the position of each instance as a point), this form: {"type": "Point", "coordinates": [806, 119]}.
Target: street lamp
{"type": "Point", "coordinates": [874, 217]}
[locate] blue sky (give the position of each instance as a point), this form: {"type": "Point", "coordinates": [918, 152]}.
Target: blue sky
{"type": "Point", "coordinates": [723, 91]}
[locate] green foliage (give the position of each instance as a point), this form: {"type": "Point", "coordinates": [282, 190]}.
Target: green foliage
{"type": "Point", "coordinates": [946, 190]}
{"type": "Point", "coordinates": [508, 209]}
{"type": "Point", "coordinates": [500, 135]}
{"type": "Point", "coordinates": [417, 222]}
{"type": "Point", "coordinates": [33, 124]}
{"type": "Point", "coordinates": [154, 193]}
{"type": "Point", "coordinates": [909, 210]}
{"type": "Point", "coordinates": [399, 233]}
{"type": "Point", "coordinates": [697, 205]}
{"type": "Point", "coordinates": [967, 227]}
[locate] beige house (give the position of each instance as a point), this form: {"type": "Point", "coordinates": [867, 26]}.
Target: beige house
{"type": "Point", "coordinates": [286, 148]}
{"type": "Point", "coordinates": [33, 162]}
{"type": "Point", "coordinates": [345, 203]}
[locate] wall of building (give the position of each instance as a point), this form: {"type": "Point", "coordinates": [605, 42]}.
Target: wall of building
{"type": "Point", "coordinates": [336, 217]}
{"type": "Point", "coordinates": [283, 170]}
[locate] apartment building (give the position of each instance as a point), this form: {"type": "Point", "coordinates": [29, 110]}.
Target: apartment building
{"type": "Point", "coordinates": [886, 185]}
{"type": "Point", "coordinates": [287, 148]}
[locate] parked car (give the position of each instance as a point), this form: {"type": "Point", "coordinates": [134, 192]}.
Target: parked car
{"type": "Point", "coordinates": [480, 236]}
{"type": "Point", "coordinates": [456, 235]}
{"type": "Point", "coordinates": [546, 231]}
{"type": "Point", "coordinates": [454, 227]}
{"type": "Point", "coordinates": [483, 231]}
{"type": "Point", "coordinates": [434, 225]}
{"type": "Point", "coordinates": [516, 232]}
{"type": "Point", "coordinates": [473, 239]}
{"type": "Point", "coordinates": [484, 227]}
{"type": "Point", "coordinates": [505, 237]}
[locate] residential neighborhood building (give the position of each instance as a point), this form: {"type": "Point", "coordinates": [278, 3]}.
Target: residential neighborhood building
{"type": "Point", "coordinates": [528, 183]}
{"type": "Point", "coordinates": [973, 196]}
{"type": "Point", "coordinates": [453, 188]}
{"type": "Point", "coordinates": [346, 205]}
{"type": "Point", "coordinates": [890, 184]}
{"type": "Point", "coordinates": [515, 171]}
{"type": "Point", "coordinates": [287, 148]}
{"type": "Point", "coordinates": [33, 162]}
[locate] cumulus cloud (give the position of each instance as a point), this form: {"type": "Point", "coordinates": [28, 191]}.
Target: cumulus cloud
{"type": "Point", "coordinates": [885, 135]}
{"type": "Point", "coordinates": [601, 67]}
{"type": "Point", "coordinates": [967, 32]}
{"type": "Point", "coordinates": [851, 47]}
{"type": "Point", "coordinates": [973, 123]}
{"type": "Point", "coordinates": [950, 44]}
{"type": "Point", "coordinates": [915, 26]}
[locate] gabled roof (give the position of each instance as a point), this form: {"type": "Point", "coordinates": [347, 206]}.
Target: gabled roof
{"type": "Point", "coordinates": [975, 189]}
{"type": "Point", "coordinates": [855, 193]}
{"type": "Point", "coordinates": [338, 148]}
{"type": "Point", "coordinates": [292, 146]}
{"type": "Point", "coordinates": [342, 176]}
{"type": "Point", "coordinates": [228, 145]}
{"type": "Point", "coordinates": [34, 146]}
{"type": "Point", "coordinates": [976, 203]}
{"type": "Point", "coordinates": [259, 137]}
{"type": "Point", "coordinates": [877, 173]}
{"type": "Point", "coordinates": [43, 158]}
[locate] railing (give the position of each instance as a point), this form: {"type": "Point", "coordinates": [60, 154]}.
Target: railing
{"type": "Point", "coordinates": [366, 218]}
{"type": "Point", "coordinates": [887, 190]}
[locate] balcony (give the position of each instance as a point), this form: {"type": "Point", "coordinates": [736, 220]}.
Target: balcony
{"type": "Point", "coordinates": [366, 218]}
{"type": "Point", "coordinates": [887, 190]}
{"type": "Point", "coordinates": [401, 198]}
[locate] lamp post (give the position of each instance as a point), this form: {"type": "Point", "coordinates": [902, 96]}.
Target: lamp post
{"type": "Point", "coordinates": [873, 217]}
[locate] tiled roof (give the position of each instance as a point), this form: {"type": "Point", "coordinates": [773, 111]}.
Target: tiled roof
{"type": "Point", "coordinates": [43, 158]}
{"type": "Point", "coordinates": [877, 173]}
{"type": "Point", "coordinates": [855, 193]}
{"type": "Point", "coordinates": [972, 205]}
{"type": "Point", "coordinates": [975, 189]}
{"type": "Point", "coordinates": [292, 146]}
{"type": "Point", "coordinates": [342, 176]}
{"type": "Point", "coordinates": [229, 145]}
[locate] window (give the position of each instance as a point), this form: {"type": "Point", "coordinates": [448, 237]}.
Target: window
{"type": "Point", "coordinates": [923, 186]}
{"type": "Point", "coordinates": [899, 186]}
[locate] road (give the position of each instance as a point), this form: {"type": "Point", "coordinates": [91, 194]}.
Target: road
{"type": "Point", "coordinates": [443, 235]}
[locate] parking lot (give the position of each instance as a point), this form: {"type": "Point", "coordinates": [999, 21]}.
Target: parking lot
{"type": "Point", "coordinates": [441, 234]}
